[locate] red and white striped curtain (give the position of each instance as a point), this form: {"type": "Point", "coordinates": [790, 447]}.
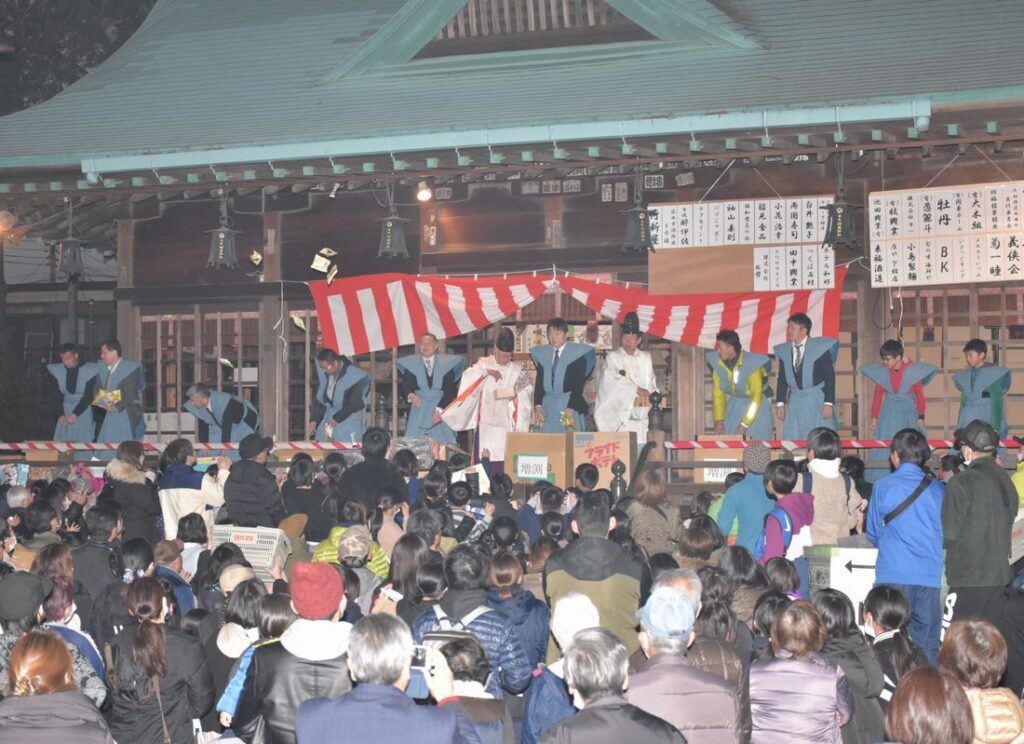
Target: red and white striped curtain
{"type": "Point", "coordinates": [758, 317]}
{"type": "Point", "coordinates": [381, 311]}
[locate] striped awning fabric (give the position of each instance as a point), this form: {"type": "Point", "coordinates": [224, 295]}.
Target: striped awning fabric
{"type": "Point", "coordinates": [382, 311]}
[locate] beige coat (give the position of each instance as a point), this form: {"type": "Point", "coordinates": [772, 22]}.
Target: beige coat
{"type": "Point", "coordinates": [998, 716]}
{"type": "Point", "coordinates": [835, 513]}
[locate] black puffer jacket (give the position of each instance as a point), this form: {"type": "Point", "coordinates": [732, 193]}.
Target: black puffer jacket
{"type": "Point", "coordinates": [135, 495]}
{"type": "Point", "coordinates": [612, 720]}
{"type": "Point", "coordinates": [44, 719]}
{"type": "Point", "coordinates": [92, 566]}
{"type": "Point", "coordinates": [186, 690]}
{"type": "Point", "coordinates": [310, 661]}
{"type": "Point", "coordinates": [252, 497]}
{"type": "Point", "coordinates": [854, 655]}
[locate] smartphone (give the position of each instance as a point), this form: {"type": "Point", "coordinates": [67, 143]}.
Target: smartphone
{"type": "Point", "coordinates": [419, 657]}
{"type": "Point", "coordinates": [391, 594]}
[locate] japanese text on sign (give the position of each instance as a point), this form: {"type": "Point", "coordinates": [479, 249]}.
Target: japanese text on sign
{"type": "Point", "coordinates": [946, 235]}
{"type": "Point", "coordinates": [531, 467]}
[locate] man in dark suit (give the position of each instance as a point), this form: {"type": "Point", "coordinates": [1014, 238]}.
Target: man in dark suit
{"type": "Point", "coordinates": [806, 392]}
{"type": "Point", "coordinates": [377, 709]}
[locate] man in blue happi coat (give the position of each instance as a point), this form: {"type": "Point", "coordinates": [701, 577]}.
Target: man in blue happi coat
{"type": "Point", "coordinates": [738, 400]}
{"type": "Point", "coordinates": [339, 408]}
{"type": "Point", "coordinates": [806, 389]}
{"type": "Point", "coordinates": [76, 382]}
{"type": "Point", "coordinates": [899, 401]}
{"type": "Point", "coordinates": [220, 416]}
{"type": "Point", "coordinates": [982, 389]}
{"type": "Point", "coordinates": [119, 394]}
{"type": "Point", "coordinates": [430, 382]}
{"type": "Point", "coordinates": [562, 370]}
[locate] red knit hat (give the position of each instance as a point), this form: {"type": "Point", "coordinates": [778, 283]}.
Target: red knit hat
{"type": "Point", "coordinates": [317, 590]}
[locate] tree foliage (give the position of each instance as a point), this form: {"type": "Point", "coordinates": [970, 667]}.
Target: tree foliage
{"type": "Point", "coordinates": [57, 41]}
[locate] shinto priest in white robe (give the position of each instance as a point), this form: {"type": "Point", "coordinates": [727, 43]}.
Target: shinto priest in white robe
{"type": "Point", "coordinates": [618, 395]}
{"type": "Point", "coordinates": [494, 407]}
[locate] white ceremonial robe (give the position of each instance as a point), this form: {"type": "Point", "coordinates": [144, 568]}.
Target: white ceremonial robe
{"type": "Point", "coordinates": [616, 395]}
{"type": "Point", "coordinates": [493, 407]}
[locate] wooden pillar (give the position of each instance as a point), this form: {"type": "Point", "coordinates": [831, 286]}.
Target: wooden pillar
{"type": "Point", "coordinates": [688, 393]}
{"type": "Point", "coordinates": [869, 339]}
{"type": "Point", "coordinates": [272, 373]}
{"type": "Point", "coordinates": [128, 332]}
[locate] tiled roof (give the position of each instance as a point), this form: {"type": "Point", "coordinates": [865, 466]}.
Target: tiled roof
{"type": "Point", "coordinates": [213, 74]}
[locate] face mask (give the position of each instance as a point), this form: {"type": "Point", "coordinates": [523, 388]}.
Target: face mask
{"type": "Point", "coordinates": [577, 700]}
{"type": "Point", "coordinates": [74, 622]}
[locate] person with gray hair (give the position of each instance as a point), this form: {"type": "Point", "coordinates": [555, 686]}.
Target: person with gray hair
{"type": "Point", "coordinates": [597, 673]}
{"type": "Point", "coordinates": [377, 709]}
{"type": "Point", "coordinates": [547, 700]}
{"type": "Point", "coordinates": [695, 702]}
{"type": "Point", "coordinates": [220, 416]}
{"type": "Point", "coordinates": [19, 497]}
{"type": "Point", "coordinates": [706, 653]}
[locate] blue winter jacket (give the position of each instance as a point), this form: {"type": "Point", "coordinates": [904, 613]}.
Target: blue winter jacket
{"type": "Point", "coordinates": [547, 703]}
{"type": "Point", "coordinates": [748, 503]}
{"type": "Point", "coordinates": [180, 475]}
{"type": "Point", "coordinates": [910, 547]}
{"type": "Point", "coordinates": [510, 666]}
{"type": "Point", "coordinates": [182, 591]}
{"type": "Point", "coordinates": [531, 618]}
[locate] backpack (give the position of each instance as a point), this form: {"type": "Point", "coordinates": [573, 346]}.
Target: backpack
{"type": "Point", "coordinates": [785, 524]}
{"type": "Point", "coordinates": [449, 630]}
{"type": "Point", "coordinates": [808, 484]}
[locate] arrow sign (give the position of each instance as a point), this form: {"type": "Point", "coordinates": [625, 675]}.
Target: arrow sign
{"type": "Point", "coordinates": [850, 565]}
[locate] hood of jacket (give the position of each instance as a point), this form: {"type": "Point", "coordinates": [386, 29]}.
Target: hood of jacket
{"type": "Point", "coordinates": [248, 471]}
{"type": "Point", "coordinates": [180, 475]}
{"type": "Point", "coordinates": [854, 655]}
{"type": "Point", "coordinates": [233, 639]}
{"type": "Point", "coordinates": [800, 506]}
{"type": "Point", "coordinates": [122, 471]}
{"type": "Point", "coordinates": [316, 640]}
{"type": "Point", "coordinates": [516, 608]}
{"type": "Point", "coordinates": [998, 716]}
{"type": "Point", "coordinates": [58, 710]}
{"type": "Point", "coordinates": [458, 603]}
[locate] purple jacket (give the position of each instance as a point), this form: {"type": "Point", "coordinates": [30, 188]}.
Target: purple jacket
{"type": "Point", "coordinates": [801, 701]}
{"type": "Point", "coordinates": [800, 508]}
{"type": "Point", "coordinates": [702, 706]}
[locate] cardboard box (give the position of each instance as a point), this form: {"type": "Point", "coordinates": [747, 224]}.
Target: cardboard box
{"type": "Point", "coordinates": [850, 570]}
{"type": "Point", "coordinates": [726, 456]}
{"type": "Point", "coordinates": [602, 448]}
{"type": "Point", "coordinates": [531, 457]}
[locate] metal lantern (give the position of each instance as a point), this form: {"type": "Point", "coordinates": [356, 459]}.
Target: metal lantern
{"type": "Point", "coordinates": [392, 230]}
{"type": "Point", "coordinates": [638, 221]}
{"type": "Point", "coordinates": [70, 261]}
{"type": "Point", "coordinates": [392, 236]}
{"type": "Point", "coordinates": [222, 242]}
{"type": "Point", "coordinates": [638, 230]}
{"type": "Point", "coordinates": [842, 227]}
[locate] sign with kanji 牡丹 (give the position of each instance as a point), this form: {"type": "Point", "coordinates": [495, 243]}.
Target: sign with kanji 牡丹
{"type": "Point", "coordinates": [947, 235]}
